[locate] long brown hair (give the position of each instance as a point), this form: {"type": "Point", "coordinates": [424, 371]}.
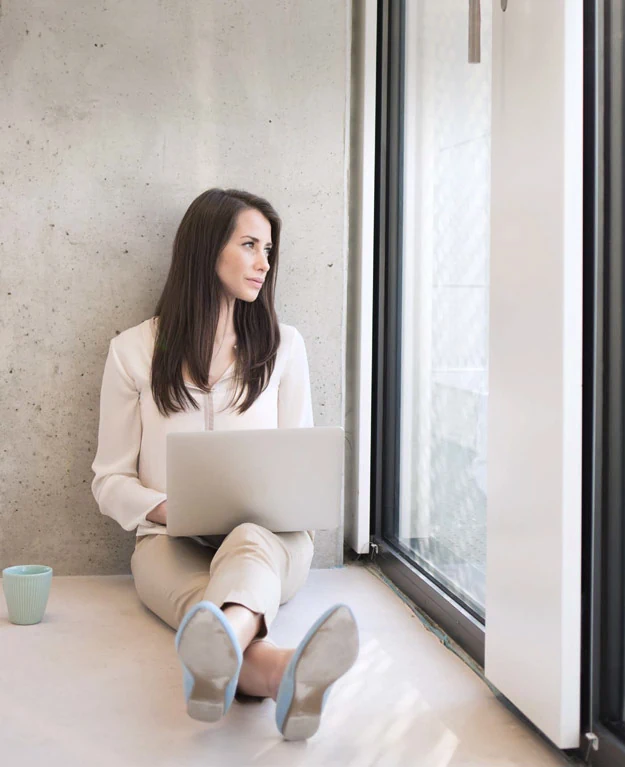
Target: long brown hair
{"type": "Point", "coordinates": [188, 309]}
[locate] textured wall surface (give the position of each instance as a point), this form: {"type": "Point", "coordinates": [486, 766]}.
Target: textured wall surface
{"type": "Point", "coordinates": [115, 116]}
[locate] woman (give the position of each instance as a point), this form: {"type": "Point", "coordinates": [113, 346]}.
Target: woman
{"type": "Point", "coordinates": [214, 356]}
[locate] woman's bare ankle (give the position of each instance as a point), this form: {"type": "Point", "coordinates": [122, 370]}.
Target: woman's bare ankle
{"type": "Point", "coordinates": [282, 661]}
{"type": "Point", "coordinates": [262, 669]}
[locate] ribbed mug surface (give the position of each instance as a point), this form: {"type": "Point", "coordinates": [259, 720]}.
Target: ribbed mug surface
{"type": "Point", "coordinates": [26, 591]}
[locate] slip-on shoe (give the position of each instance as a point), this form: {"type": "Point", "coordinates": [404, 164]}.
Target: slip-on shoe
{"type": "Point", "coordinates": [211, 660]}
{"type": "Point", "coordinates": [328, 650]}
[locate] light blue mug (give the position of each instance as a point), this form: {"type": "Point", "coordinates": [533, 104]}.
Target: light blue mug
{"type": "Point", "coordinates": [26, 591]}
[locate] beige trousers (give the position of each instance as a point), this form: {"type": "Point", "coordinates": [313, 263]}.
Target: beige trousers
{"type": "Point", "coordinates": [252, 567]}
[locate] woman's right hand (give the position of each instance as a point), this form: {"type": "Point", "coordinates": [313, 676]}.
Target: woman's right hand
{"type": "Point", "coordinates": [159, 514]}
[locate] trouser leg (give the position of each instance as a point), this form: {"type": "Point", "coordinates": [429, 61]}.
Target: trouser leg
{"type": "Point", "coordinates": [259, 569]}
{"type": "Point", "coordinates": [254, 567]}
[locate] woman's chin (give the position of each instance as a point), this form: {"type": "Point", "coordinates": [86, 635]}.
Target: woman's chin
{"type": "Point", "coordinates": [250, 296]}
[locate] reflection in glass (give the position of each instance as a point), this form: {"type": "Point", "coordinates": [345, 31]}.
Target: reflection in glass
{"type": "Point", "coordinates": [445, 279]}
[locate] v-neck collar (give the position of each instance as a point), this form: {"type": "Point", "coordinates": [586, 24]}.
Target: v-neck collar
{"type": "Point", "coordinates": [224, 376]}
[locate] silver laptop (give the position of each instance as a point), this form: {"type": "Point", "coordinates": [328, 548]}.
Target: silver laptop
{"type": "Point", "coordinates": [282, 479]}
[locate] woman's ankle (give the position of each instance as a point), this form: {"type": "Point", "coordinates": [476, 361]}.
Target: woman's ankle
{"type": "Point", "coordinates": [257, 670]}
{"type": "Point", "coordinates": [282, 661]}
{"type": "Point", "coordinates": [244, 622]}
{"type": "Point", "coordinates": [262, 669]}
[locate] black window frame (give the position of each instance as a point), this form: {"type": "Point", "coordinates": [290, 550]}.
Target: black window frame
{"type": "Point", "coordinates": [603, 565]}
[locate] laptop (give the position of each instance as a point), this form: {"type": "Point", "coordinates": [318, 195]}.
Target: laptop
{"type": "Point", "coordinates": [283, 479]}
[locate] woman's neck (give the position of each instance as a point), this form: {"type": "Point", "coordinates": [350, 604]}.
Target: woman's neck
{"type": "Point", "coordinates": [225, 325]}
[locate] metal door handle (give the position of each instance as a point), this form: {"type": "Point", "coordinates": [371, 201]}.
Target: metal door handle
{"type": "Point", "coordinates": [475, 32]}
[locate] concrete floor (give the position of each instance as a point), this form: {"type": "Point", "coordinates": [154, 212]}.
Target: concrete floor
{"type": "Point", "coordinates": [98, 683]}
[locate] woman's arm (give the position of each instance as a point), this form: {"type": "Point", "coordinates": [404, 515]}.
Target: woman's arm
{"type": "Point", "coordinates": [159, 514]}
{"type": "Point", "coordinates": [116, 486]}
{"type": "Point", "coordinates": [294, 394]}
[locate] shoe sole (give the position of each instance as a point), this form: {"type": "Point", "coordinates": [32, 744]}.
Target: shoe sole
{"type": "Point", "coordinates": [207, 651]}
{"type": "Point", "coordinates": [330, 652]}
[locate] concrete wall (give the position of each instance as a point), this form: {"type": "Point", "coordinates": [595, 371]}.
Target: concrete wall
{"type": "Point", "coordinates": [115, 116]}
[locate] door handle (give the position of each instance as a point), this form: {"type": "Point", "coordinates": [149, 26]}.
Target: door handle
{"type": "Point", "coordinates": [475, 32]}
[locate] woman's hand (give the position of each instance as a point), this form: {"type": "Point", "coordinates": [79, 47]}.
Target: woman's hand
{"type": "Point", "coordinates": [159, 514]}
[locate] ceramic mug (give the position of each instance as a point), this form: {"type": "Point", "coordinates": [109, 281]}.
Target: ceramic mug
{"type": "Point", "coordinates": [26, 590]}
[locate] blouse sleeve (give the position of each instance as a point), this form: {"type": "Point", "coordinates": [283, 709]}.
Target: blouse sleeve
{"type": "Point", "coordinates": [294, 394]}
{"type": "Point", "coordinates": [116, 486]}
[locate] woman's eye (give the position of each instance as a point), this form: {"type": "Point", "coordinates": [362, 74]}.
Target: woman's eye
{"type": "Point", "coordinates": [267, 252]}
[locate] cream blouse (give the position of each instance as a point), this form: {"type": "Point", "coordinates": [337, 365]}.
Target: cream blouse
{"type": "Point", "coordinates": [129, 465]}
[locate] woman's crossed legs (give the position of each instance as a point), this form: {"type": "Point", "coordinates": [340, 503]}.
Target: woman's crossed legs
{"type": "Point", "coordinates": [253, 572]}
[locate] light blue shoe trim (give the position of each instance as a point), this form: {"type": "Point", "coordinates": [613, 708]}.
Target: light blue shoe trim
{"type": "Point", "coordinates": [188, 677]}
{"type": "Point", "coordinates": [287, 689]}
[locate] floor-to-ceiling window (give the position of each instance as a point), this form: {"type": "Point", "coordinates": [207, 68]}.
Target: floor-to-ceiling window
{"type": "Point", "coordinates": [434, 154]}
{"type": "Point", "coordinates": [432, 340]}
{"type": "Point", "coordinates": [445, 250]}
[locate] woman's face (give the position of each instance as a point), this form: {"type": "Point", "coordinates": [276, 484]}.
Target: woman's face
{"type": "Point", "coordinates": [245, 256]}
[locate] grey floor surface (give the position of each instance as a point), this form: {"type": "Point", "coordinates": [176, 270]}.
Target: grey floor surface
{"type": "Point", "coordinates": [97, 683]}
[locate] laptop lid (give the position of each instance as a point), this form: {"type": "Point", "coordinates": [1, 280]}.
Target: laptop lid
{"type": "Point", "coordinates": [283, 479]}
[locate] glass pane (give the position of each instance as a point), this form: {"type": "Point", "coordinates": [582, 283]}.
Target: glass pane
{"type": "Point", "coordinates": [445, 284]}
